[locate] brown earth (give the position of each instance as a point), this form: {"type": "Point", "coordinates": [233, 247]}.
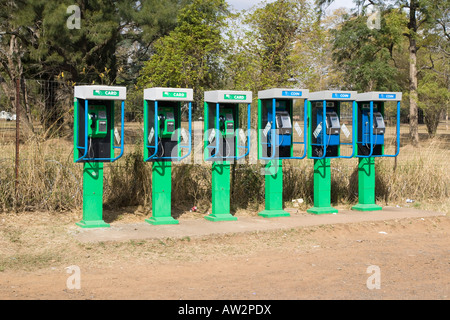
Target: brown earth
{"type": "Point", "coordinates": [328, 259]}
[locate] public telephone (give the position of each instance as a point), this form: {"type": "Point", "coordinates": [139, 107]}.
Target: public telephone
{"type": "Point", "coordinates": [371, 130]}
{"type": "Point", "coordinates": [94, 123]}
{"type": "Point", "coordinates": [226, 122]}
{"type": "Point", "coordinates": [283, 126]}
{"type": "Point", "coordinates": [97, 122]}
{"type": "Point", "coordinates": [283, 122]}
{"type": "Point", "coordinates": [163, 133]}
{"type": "Point", "coordinates": [164, 142]}
{"type": "Point", "coordinates": [166, 119]}
{"type": "Point", "coordinates": [280, 111]}
{"type": "Point", "coordinates": [379, 126]}
{"type": "Point", "coordinates": [332, 123]}
{"type": "Point", "coordinates": [332, 128]}
{"type": "Point", "coordinates": [282, 138]}
{"type": "Point", "coordinates": [93, 136]}
{"type": "Point", "coordinates": [378, 129]}
{"type": "Point", "coordinates": [371, 124]}
{"type": "Point", "coordinates": [227, 134]}
{"type": "Point", "coordinates": [223, 134]}
{"type": "Point", "coordinates": [326, 129]}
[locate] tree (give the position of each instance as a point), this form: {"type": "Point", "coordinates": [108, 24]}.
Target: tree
{"type": "Point", "coordinates": [262, 45]}
{"type": "Point", "coordinates": [190, 55]}
{"type": "Point", "coordinates": [49, 49]}
{"type": "Point", "coordinates": [111, 32]}
{"type": "Point", "coordinates": [420, 14]}
{"type": "Point", "coordinates": [314, 48]}
{"type": "Point", "coordinates": [366, 55]}
{"type": "Point", "coordinates": [145, 22]}
{"type": "Point", "coordinates": [434, 97]}
{"type": "Point", "coordinates": [13, 40]}
{"type": "Point", "coordinates": [434, 70]}
{"type": "Point", "coordinates": [277, 27]}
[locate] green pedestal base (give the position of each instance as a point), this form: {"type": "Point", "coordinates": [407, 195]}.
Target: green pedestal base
{"type": "Point", "coordinates": [367, 207]}
{"type": "Point", "coordinates": [161, 194]}
{"type": "Point", "coordinates": [220, 217]}
{"type": "Point", "coordinates": [221, 193]}
{"type": "Point", "coordinates": [274, 190]}
{"type": "Point", "coordinates": [274, 213]}
{"type": "Point", "coordinates": [92, 224]}
{"type": "Point", "coordinates": [322, 188]}
{"type": "Point", "coordinates": [161, 220]}
{"type": "Point", "coordinates": [92, 196]}
{"type": "Point", "coordinates": [322, 210]}
{"type": "Point", "coordinates": [366, 186]}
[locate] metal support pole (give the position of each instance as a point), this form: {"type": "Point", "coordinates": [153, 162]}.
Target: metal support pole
{"type": "Point", "coordinates": [322, 188]}
{"type": "Point", "coordinates": [16, 186]}
{"type": "Point", "coordinates": [161, 194]}
{"type": "Point", "coordinates": [93, 196]}
{"type": "Point", "coordinates": [366, 185]}
{"type": "Point", "coordinates": [274, 190]}
{"type": "Point", "coordinates": [221, 192]}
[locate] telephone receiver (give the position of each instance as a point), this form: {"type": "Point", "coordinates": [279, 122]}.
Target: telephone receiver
{"type": "Point", "coordinates": [93, 117]}
{"type": "Point", "coordinates": [221, 123]}
{"type": "Point", "coordinates": [226, 124]}
{"type": "Point", "coordinates": [332, 123]}
{"type": "Point", "coordinates": [161, 119]}
{"type": "Point", "coordinates": [283, 122]}
{"type": "Point", "coordinates": [166, 124]}
{"type": "Point", "coordinates": [98, 123]}
{"type": "Point", "coordinates": [378, 123]}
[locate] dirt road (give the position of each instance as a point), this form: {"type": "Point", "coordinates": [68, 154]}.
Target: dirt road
{"type": "Point", "coordinates": [405, 258]}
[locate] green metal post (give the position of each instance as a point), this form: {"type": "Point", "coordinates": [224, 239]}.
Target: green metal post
{"type": "Point", "coordinates": [274, 190]}
{"type": "Point", "coordinates": [92, 196]}
{"type": "Point", "coordinates": [161, 194]}
{"type": "Point", "coordinates": [221, 192]}
{"type": "Point", "coordinates": [366, 186]}
{"type": "Point", "coordinates": [322, 188]}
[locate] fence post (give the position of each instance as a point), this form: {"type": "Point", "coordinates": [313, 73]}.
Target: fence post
{"type": "Point", "coordinates": [17, 137]}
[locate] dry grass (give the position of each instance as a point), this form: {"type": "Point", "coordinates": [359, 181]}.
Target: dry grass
{"type": "Point", "coordinates": [50, 181]}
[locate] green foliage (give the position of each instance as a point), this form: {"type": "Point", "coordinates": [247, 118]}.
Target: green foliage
{"type": "Point", "coordinates": [433, 57]}
{"type": "Point", "coordinates": [365, 55]}
{"type": "Point", "coordinates": [189, 55]}
{"type": "Point", "coordinates": [434, 98]}
{"type": "Point", "coordinates": [367, 65]}
{"type": "Point", "coordinates": [146, 21]}
{"type": "Point", "coordinates": [277, 25]}
{"type": "Point", "coordinates": [262, 56]}
{"type": "Point", "coordinates": [113, 38]}
{"type": "Point", "coordinates": [201, 45]}
{"type": "Point", "coordinates": [110, 33]}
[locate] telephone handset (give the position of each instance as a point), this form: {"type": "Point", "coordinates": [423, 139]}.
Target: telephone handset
{"type": "Point", "coordinates": [226, 124]}
{"type": "Point", "coordinates": [98, 123]}
{"type": "Point", "coordinates": [378, 123]}
{"type": "Point", "coordinates": [283, 122]}
{"type": "Point", "coordinates": [166, 124]}
{"type": "Point", "coordinates": [332, 123]}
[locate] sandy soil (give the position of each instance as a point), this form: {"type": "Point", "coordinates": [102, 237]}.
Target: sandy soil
{"type": "Point", "coordinates": [311, 262]}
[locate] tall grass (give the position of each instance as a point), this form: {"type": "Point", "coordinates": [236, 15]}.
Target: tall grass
{"type": "Point", "coordinates": [49, 180]}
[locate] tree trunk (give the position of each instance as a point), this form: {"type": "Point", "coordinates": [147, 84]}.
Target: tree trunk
{"type": "Point", "coordinates": [413, 95]}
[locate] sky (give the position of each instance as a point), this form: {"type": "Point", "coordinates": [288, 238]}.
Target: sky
{"type": "Point", "coordinates": [247, 4]}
